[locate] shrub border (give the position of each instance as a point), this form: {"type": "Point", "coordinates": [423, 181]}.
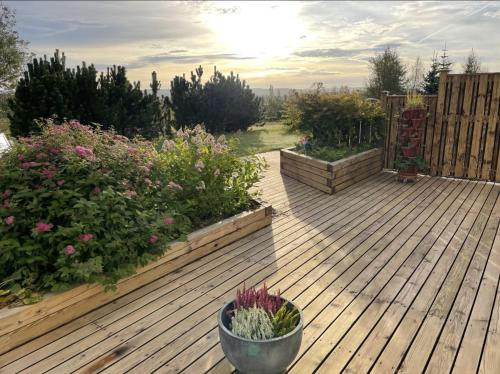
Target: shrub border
{"type": "Point", "coordinates": [22, 324]}
{"type": "Point", "coordinates": [331, 177]}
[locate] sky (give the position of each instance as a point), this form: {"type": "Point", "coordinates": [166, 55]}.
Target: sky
{"type": "Point", "coordinates": [284, 44]}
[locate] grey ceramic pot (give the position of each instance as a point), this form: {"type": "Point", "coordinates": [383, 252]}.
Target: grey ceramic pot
{"type": "Point", "coordinates": [270, 356]}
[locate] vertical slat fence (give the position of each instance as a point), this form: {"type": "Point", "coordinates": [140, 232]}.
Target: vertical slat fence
{"type": "Point", "coordinates": [462, 131]}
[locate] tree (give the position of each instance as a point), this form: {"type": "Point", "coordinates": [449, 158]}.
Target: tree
{"type": "Point", "coordinates": [387, 74]}
{"type": "Point", "coordinates": [431, 79]}
{"type": "Point", "coordinates": [223, 103]}
{"type": "Point", "coordinates": [13, 50]}
{"type": "Point", "coordinates": [416, 75]}
{"type": "Point", "coordinates": [49, 89]}
{"type": "Point", "coordinates": [272, 105]}
{"type": "Point", "coordinates": [186, 99]}
{"type": "Point", "coordinates": [445, 63]}
{"type": "Point", "coordinates": [472, 64]}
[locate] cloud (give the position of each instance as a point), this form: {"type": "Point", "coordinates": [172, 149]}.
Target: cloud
{"type": "Point", "coordinates": [329, 52]}
{"type": "Point", "coordinates": [178, 56]}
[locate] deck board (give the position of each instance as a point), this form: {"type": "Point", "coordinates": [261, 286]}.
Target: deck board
{"type": "Point", "coordinates": [390, 276]}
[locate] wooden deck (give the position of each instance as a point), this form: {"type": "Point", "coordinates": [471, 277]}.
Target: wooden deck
{"type": "Point", "coordinates": [390, 276]}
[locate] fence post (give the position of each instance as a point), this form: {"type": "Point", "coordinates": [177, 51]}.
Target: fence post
{"type": "Point", "coordinates": [383, 104]}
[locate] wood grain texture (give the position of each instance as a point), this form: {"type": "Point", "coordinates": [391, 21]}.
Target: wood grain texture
{"type": "Point", "coordinates": [390, 277]}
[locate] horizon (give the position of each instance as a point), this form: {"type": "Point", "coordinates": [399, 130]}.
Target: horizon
{"type": "Point", "coordinates": [284, 44]}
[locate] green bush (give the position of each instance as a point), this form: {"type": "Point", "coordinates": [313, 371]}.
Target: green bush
{"type": "Point", "coordinates": [224, 103]}
{"type": "Point", "coordinates": [333, 119]}
{"type": "Point", "coordinates": [48, 89]}
{"type": "Point", "coordinates": [82, 205]}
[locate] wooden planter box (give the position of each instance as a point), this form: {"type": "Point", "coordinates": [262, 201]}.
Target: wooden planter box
{"type": "Point", "coordinates": [334, 176]}
{"type": "Point", "coordinates": [21, 324]}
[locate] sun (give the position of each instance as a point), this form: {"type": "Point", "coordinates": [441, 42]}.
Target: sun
{"type": "Point", "coordinates": [258, 29]}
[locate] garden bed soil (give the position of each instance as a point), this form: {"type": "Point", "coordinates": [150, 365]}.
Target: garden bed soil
{"type": "Point", "coordinates": [331, 177]}
{"type": "Point", "coordinates": [21, 324]}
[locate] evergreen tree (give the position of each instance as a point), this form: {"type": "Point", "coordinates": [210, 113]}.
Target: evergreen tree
{"type": "Point", "coordinates": [223, 103]}
{"type": "Point", "coordinates": [472, 64]}
{"type": "Point", "coordinates": [445, 63]}
{"type": "Point", "coordinates": [431, 79]}
{"type": "Point", "coordinates": [387, 74]}
{"type": "Point", "coordinates": [49, 89]}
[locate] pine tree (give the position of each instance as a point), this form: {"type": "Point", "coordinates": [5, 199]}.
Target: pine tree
{"type": "Point", "coordinates": [49, 89]}
{"type": "Point", "coordinates": [472, 64]}
{"type": "Point", "coordinates": [445, 64]}
{"type": "Point", "coordinates": [223, 103]}
{"type": "Point", "coordinates": [431, 79]}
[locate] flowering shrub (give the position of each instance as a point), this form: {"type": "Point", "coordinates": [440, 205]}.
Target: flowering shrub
{"type": "Point", "coordinates": [82, 205]}
{"type": "Point", "coordinates": [206, 176]}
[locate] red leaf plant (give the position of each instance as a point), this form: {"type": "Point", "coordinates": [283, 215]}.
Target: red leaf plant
{"type": "Point", "coordinates": [247, 298]}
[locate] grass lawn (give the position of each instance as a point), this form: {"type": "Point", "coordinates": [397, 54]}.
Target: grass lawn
{"type": "Point", "coordinates": [4, 125]}
{"type": "Point", "coordinates": [269, 137]}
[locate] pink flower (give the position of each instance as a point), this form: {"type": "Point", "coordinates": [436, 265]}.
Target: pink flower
{"type": "Point", "coordinates": [153, 239]}
{"type": "Point", "coordinates": [148, 181]}
{"type": "Point", "coordinates": [86, 237]}
{"type": "Point", "coordinates": [9, 220]}
{"type": "Point", "coordinates": [54, 151]}
{"type": "Point", "coordinates": [131, 193]}
{"type": "Point", "coordinates": [6, 194]}
{"type": "Point", "coordinates": [43, 227]}
{"type": "Point", "coordinates": [85, 152]}
{"type": "Point", "coordinates": [96, 190]}
{"type": "Point", "coordinates": [174, 186]}
{"type": "Point", "coordinates": [69, 249]}
{"type": "Point", "coordinates": [6, 204]}
{"type": "Point", "coordinates": [40, 156]}
{"type": "Point", "coordinates": [168, 220]}
{"type": "Point", "coordinates": [131, 150]}
{"type": "Point", "coordinates": [48, 173]}
{"type": "Point", "coordinates": [61, 182]}
{"type": "Point", "coordinates": [20, 157]}
{"type": "Point", "coordinates": [31, 164]}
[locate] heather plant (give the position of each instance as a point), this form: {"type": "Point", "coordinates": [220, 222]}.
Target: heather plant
{"type": "Point", "coordinates": [250, 297]}
{"type": "Point", "coordinates": [257, 314]}
{"type": "Point", "coordinates": [83, 205]}
{"type": "Point", "coordinates": [252, 323]}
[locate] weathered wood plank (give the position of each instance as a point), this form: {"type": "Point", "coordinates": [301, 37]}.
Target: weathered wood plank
{"type": "Point", "coordinates": [461, 164]}
{"type": "Point", "coordinates": [451, 124]}
{"type": "Point", "coordinates": [491, 130]}
{"type": "Point", "coordinates": [477, 127]}
{"type": "Point", "coordinates": [440, 116]}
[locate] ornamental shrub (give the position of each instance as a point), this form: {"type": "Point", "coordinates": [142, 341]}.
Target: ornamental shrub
{"type": "Point", "coordinates": [215, 183]}
{"type": "Point", "coordinates": [84, 205]}
{"type": "Point", "coordinates": [334, 119]}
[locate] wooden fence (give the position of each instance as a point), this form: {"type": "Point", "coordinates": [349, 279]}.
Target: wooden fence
{"type": "Point", "coordinates": [462, 131]}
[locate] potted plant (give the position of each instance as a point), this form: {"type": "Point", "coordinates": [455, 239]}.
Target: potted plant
{"type": "Point", "coordinates": [408, 167]}
{"type": "Point", "coordinates": [260, 332]}
{"type": "Point", "coordinates": [414, 109]}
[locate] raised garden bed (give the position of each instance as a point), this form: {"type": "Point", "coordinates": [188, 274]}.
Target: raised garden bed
{"type": "Point", "coordinates": [331, 177]}
{"type": "Point", "coordinates": [21, 324]}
